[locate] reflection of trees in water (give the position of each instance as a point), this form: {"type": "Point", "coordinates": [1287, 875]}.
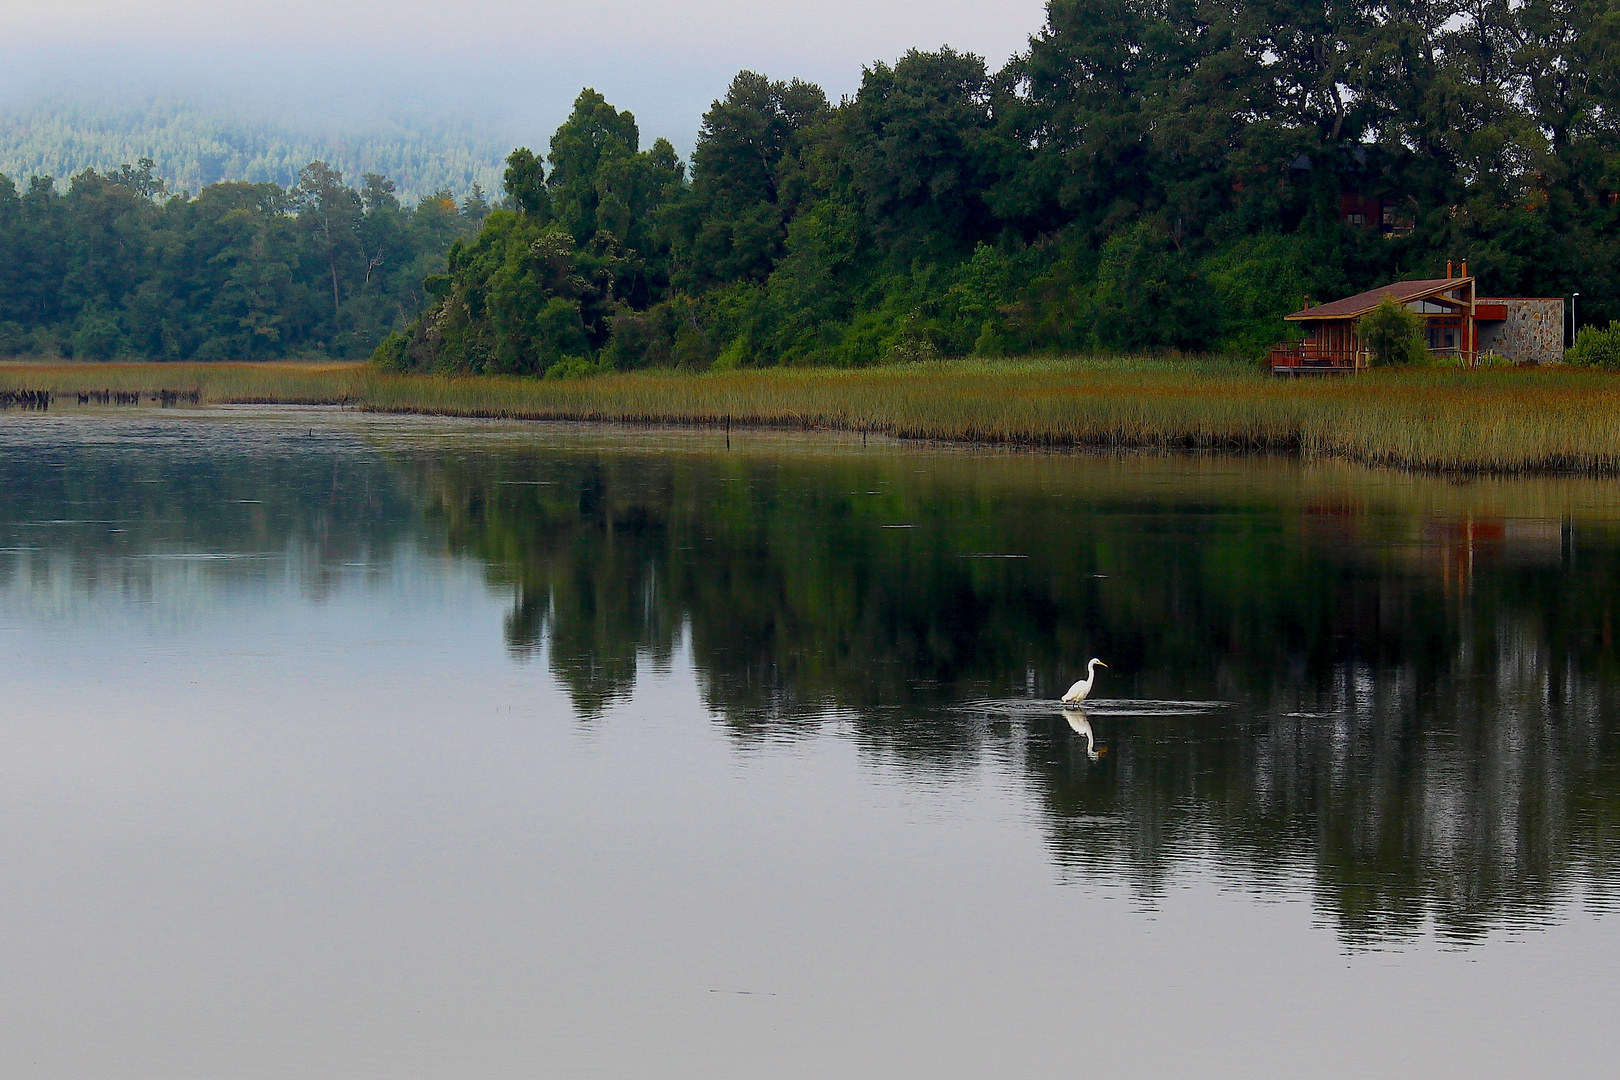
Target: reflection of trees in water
{"type": "Point", "coordinates": [1455, 801]}
{"type": "Point", "coordinates": [91, 509]}
{"type": "Point", "coordinates": [1453, 760]}
{"type": "Point", "coordinates": [1456, 759]}
{"type": "Point", "coordinates": [582, 550]}
{"type": "Point", "coordinates": [783, 587]}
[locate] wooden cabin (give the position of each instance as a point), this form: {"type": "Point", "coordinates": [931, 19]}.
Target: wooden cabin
{"type": "Point", "coordinates": [1458, 323]}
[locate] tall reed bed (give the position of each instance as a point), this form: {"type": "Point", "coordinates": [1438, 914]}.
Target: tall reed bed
{"type": "Point", "coordinates": [1493, 421]}
{"type": "Point", "coordinates": [279, 383]}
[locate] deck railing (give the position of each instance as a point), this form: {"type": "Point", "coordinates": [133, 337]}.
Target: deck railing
{"type": "Point", "coordinates": [1308, 356]}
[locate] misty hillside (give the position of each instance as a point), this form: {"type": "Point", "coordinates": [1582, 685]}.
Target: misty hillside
{"type": "Point", "coordinates": [193, 145]}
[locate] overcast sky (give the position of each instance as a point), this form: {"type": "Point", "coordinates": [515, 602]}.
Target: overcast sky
{"type": "Point", "coordinates": [517, 63]}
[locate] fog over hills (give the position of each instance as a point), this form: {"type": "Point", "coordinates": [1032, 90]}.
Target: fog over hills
{"type": "Point", "coordinates": [428, 95]}
{"type": "Point", "coordinates": [194, 142]}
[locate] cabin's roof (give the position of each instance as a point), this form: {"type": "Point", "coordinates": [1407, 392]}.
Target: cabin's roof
{"type": "Point", "coordinates": [1404, 292]}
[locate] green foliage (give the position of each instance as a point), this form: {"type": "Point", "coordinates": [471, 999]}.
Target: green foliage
{"type": "Point", "coordinates": [1393, 333]}
{"type": "Point", "coordinates": [525, 180]}
{"type": "Point", "coordinates": [393, 354]}
{"type": "Point", "coordinates": [519, 297]}
{"type": "Point", "coordinates": [1596, 347]}
{"type": "Point", "coordinates": [1148, 293]}
{"type": "Point", "coordinates": [922, 153]}
{"type": "Point", "coordinates": [1254, 278]}
{"type": "Point", "coordinates": [570, 276]}
{"type": "Point", "coordinates": [572, 367]}
{"type": "Point", "coordinates": [1145, 177]}
{"type": "Point", "coordinates": [601, 187]}
{"type": "Point", "coordinates": [748, 181]}
{"type": "Point", "coordinates": [119, 267]}
{"type": "Point", "coordinates": [13, 339]}
{"type": "Point", "coordinates": [96, 335]}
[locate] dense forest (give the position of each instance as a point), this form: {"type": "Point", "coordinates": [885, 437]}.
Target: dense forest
{"type": "Point", "coordinates": [117, 266]}
{"type": "Point", "coordinates": [1145, 176]}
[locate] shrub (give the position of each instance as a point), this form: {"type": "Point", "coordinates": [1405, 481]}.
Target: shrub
{"type": "Point", "coordinates": [572, 367]}
{"type": "Point", "coordinates": [990, 341]}
{"type": "Point", "coordinates": [1258, 279]}
{"type": "Point", "coordinates": [96, 335]}
{"type": "Point", "coordinates": [13, 339]}
{"type": "Point", "coordinates": [1393, 334]}
{"type": "Point", "coordinates": [1148, 295]}
{"type": "Point", "coordinates": [392, 354]}
{"type": "Point", "coordinates": [1596, 347]}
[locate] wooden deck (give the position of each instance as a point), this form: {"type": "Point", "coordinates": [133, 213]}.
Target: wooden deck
{"type": "Point", "coordinates": [1308, 358]}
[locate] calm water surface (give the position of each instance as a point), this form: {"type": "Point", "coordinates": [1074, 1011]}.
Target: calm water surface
{"type": "Point", "coordinates": [347, 746]}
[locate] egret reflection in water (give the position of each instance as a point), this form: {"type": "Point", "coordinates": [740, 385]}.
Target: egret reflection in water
{"type": "Point", "coordinates": [1080, 724]}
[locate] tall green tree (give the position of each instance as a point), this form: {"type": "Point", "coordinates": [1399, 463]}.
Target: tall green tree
{"type": "Point", "coordinates": [332, 213]}
{"type": "Point", "coordinates": [748, 180]}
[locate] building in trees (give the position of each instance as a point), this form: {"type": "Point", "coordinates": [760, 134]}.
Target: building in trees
{"type": "Point", "coordinates": [1457, 323]}
{"type": "Point", "coordinates": [1373, 212]}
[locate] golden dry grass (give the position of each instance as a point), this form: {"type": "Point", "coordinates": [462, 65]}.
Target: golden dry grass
{"type": "Point", "coordinates": [1499, 421]}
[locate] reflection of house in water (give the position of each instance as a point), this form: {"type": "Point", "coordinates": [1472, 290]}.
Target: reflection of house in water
{"type": "Point", "coordinates": [1332, 524]}
{"type": "Point", "coordinates": [1450, 547]}
{"type": "Point", "coordinates": [1457, 545]}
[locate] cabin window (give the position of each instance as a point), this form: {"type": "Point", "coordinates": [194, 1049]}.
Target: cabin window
{"type": "Point", "coordinates": [1356, 218]}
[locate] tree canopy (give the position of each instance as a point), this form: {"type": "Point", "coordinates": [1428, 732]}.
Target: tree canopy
{"type": "Point", "coordinates": [118, 266]}
{"type": "Point", "coordinates": [1145, 175]}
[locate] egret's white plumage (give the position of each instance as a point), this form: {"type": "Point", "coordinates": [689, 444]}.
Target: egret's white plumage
{"type": "Point", "coordinates": [1080, 723]}
{"type": "Point", "coordinates": [1082, 689]}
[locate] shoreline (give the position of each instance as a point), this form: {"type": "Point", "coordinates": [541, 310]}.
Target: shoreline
{"type": "Point", "coordinates": [1497, 422]}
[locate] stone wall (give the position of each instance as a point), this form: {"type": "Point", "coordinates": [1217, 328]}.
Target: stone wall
{"type": "Point", "coordinates": [1532, 333]}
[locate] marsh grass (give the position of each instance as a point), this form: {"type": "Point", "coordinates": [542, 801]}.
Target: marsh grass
{"type": "Point", "coordinates": [1512, 420]}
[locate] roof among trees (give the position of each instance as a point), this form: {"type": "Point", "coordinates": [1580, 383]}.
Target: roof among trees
{"type": "Point", "coordinates": [1404, 292]}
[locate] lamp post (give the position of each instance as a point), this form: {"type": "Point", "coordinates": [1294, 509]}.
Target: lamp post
{"type": "Point", "coordinates": [1574, 304]}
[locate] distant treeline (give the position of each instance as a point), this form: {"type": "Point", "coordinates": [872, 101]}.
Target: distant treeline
{"type": "Point", "coordinates": [1145, 176]}
{"type": "Point", "coordinates": [193, 144]}
{"type": "Point", "coordinates": [116, 266]}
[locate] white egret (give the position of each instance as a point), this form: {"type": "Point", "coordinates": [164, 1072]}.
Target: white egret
{"type": "Point", "coordinates": [1080, 723]}
{"type": "Point", "coordinates": [1082, 689]}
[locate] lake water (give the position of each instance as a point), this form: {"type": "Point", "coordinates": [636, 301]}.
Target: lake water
{"type": "Point", "coordinates": [336, 745]}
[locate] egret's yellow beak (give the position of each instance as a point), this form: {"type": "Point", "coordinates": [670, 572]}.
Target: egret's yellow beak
{"type": "Point", "coordinates": [1101, 664]}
